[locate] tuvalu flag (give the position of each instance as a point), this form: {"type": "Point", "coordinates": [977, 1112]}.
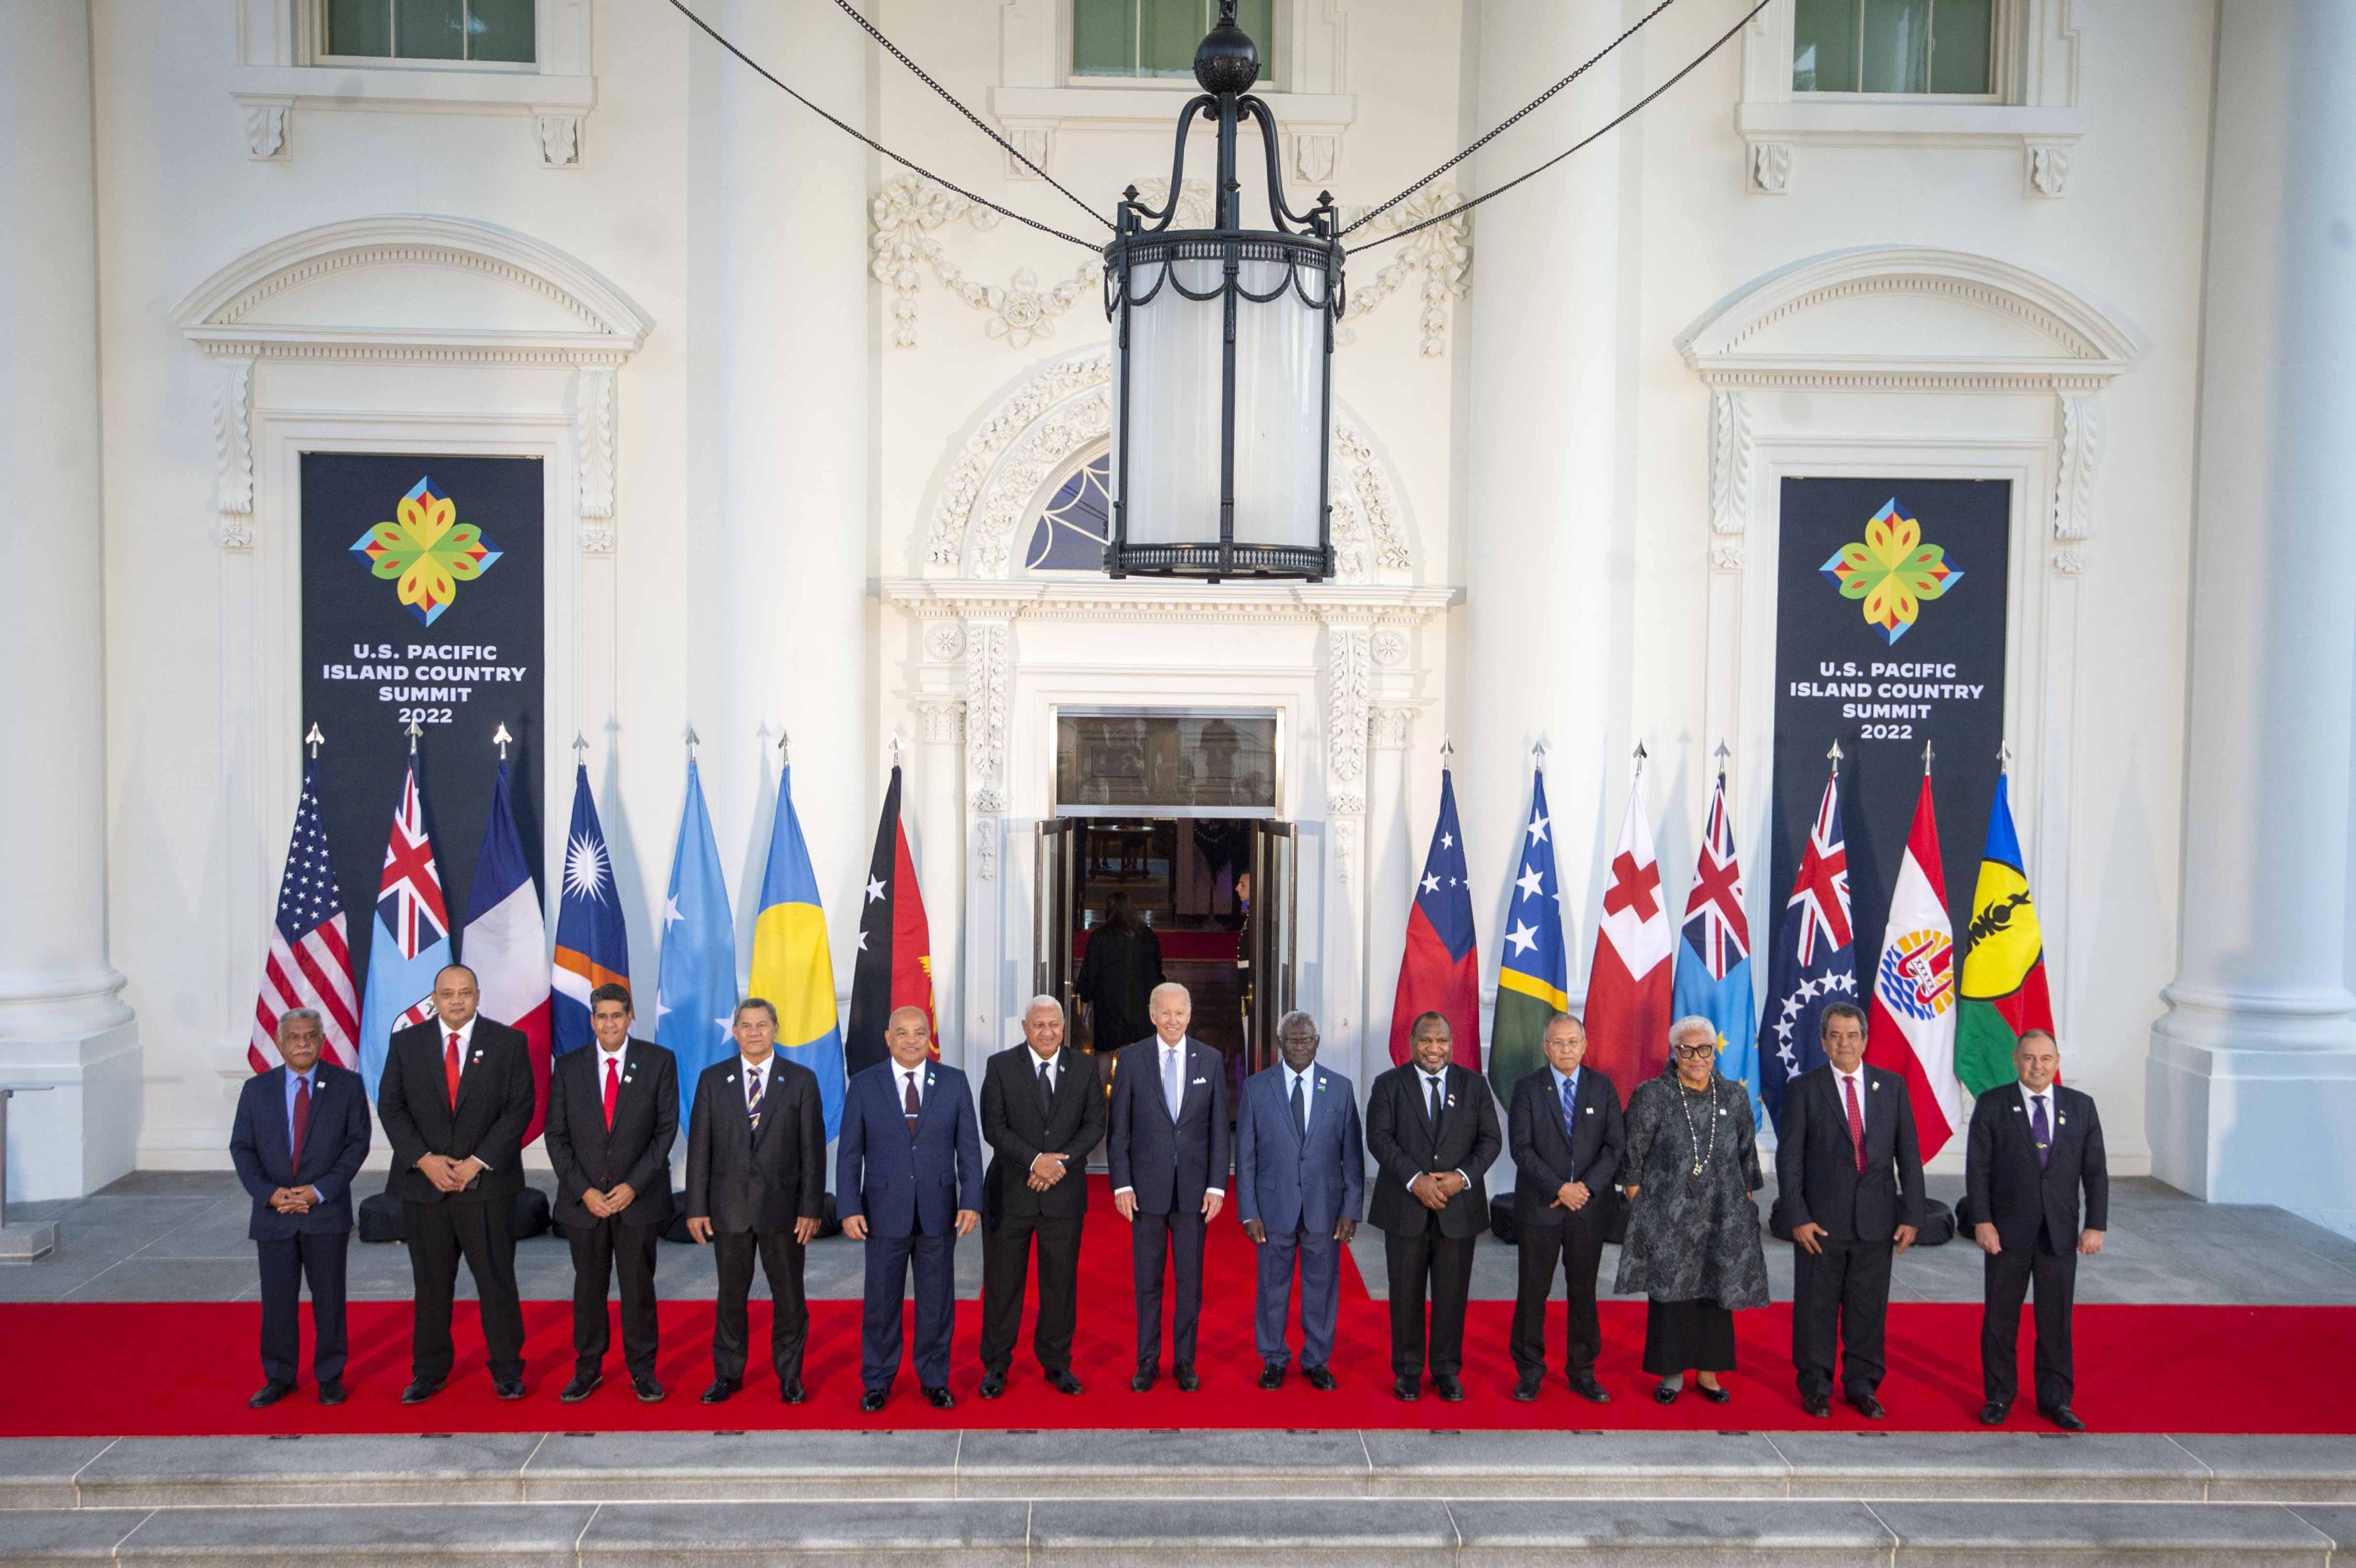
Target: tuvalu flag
{"type": "Point", "coordinates": [1911, 1027]}
{"type": "Point", "coordinates": [792, 970]}
{"type": "Point", "coordinates": [1628, 997]}
{"type": "Point", "coordinates": [1440, 971]}
{"type": "Point", "coordinates": [2004, 970]}
{"type": "Point", "coordinates": [1713, 977]}
{"type": "Point", "coordinates": [1533, 975]}
{"type": "Point", "coordinates": [894, 967]}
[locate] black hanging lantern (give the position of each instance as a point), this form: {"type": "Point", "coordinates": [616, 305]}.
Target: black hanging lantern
{"type": "Point", "coordinates": [1222, 357]}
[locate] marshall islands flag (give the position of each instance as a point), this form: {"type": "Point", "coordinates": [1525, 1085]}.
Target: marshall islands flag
{"type": "Point", "coordinates": [592, 946]}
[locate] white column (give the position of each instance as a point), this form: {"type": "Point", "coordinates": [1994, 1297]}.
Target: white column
{"type": "Point", "coordinates": [2252, 1083]}
{"type": "Point", "coordinates": [62, 1019]}
{"type": "Point", "coordinates": [936, 795]}
{"type": "Point", "coordinates": [1390, 858]}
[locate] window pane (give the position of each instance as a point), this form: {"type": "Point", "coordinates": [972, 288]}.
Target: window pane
{"type": "Point", "coordinates": [1959, 55]}
{"type": "Point", "coordinates": [1823, 45]}
{"type": "Point", "coordinates": [1897, 54]}
{"type": "Point", "coordinates": [1103, 37]}
{"type": "Point", "coordinates": [1257, 17]}
{"type": "Point", "coordinates": [359, 26]}
{"type": "Point", "coordinates": [499, 30]}
{"type": "Point", "coordinates": [429, 30]}
{"type": "Point", "coordinates": [1172, 29]}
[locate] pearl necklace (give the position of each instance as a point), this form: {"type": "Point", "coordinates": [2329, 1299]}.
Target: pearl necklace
{"type": "Point", "coordinates": [1701, 1156]}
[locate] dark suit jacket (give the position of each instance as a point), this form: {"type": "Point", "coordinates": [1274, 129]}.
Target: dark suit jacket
{"type": "Point", "coordinates": [335, 1142]}
{"type": "Point", "coordinates": [1289, 1182]}
{"type": "Point", "coordinates": [1399, 1134]}
{"type": "Point", "coordinates": [637, 1149]}
{"type": "Point", "coordinates": [907, 1185]}
{"type": "Point", "coordinates": [743, 1183]}
{"type": "Point", "coordinates": [1546, 1155]}
{"type": "Point", "coordinates": [495, 1102]}
{"type": "Point", "coordinates": [1816, 1178]}
{"type": "Point", "coordinates": [1169, 1166]}
{"type": "Point", "coordinates": [2003, 1184]}
{"type": "Point", "coordinates": [1018, 1129]}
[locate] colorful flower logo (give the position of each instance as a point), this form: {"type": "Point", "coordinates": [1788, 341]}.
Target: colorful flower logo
{"type": "Point", "coordinates": [428, 550]}
{"type": "Point", "coordinates": [1892, 571]}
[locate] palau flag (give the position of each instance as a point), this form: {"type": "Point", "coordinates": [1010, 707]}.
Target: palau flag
{"type": "Point", "coordinates": [1533, 975]}
{"type": "Point", "coordinates": [506, 941]}
{"type": "Point", "coordinates": [791, 967]}
{"type": "Point", "coordinates": [695, 989]}
{"type": "Point", "coordinates": [592, 946]}
{"type": "Point", "coordinates": [412, 941]}
{"type": "Point", "coordinates": [2004, 971]}
{"type": "Point", "coordinates": [1713, 977]}
{"type": "Point", "coordinates": [1440, 971]}
{"type": "Point", "coordinates": [1814, 961]}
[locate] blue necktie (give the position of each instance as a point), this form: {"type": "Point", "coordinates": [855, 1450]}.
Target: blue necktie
{"type": "Point", "coordinates": [1299, 1109]}
{"type": "Point", "coordinates": [2040, 1129]}
{"type": "Point", "coordinates": [1569, 1094]}
{"type": "Point", "coordinates": [1169, 1091]}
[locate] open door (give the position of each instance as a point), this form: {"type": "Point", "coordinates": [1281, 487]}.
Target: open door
{"type": "Point", "coordinates": [1052, 919]}
{"type": "Point", "coordinates": [1270, 939]}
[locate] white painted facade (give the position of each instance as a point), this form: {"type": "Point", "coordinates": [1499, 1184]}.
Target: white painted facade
{"type": "Point", "coordinates": [799, 413]}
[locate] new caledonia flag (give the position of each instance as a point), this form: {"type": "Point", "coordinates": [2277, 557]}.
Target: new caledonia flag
{"type": "Point", "coordinates": [1713, 976]}
{"type": "Point", "coordinates": [1441, 970]}
{"type": "Point", "coordinates": [592, 946]}
{"type": "Point", "coordinates": [1533, 976]}
{"type": "Point", "coordinates": [894, 967]}
{"type": "Point", "coordinates": [791, 967]}
{"type": "Point", "coordinates": [2004, 971]}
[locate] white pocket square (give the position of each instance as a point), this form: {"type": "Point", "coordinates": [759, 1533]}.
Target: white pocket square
{"type": "Point", "coordinates": [1202, 1080]}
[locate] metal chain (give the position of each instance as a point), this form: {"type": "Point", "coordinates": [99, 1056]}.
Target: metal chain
{"type": "Point", "coordinates": [1503, 125]}
{"type": "Point", "coordinates": [893, 50]}
{"type": "Point", "coordinates": [853, 132]}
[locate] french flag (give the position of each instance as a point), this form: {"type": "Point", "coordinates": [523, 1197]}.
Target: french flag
{"type": "Point", "coordinates": [506, 941]}
{"type": "Point", "coordinates": [1441, 970]}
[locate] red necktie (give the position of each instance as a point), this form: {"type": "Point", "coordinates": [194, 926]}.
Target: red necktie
{"type": "Point", "coordinates": [301, 1120]}
{"type": "Point", "coordinates": [450, 1068]}
{"type": "Point", "coordinates": [1855, 1120]}
{"type": "Point", "coordinates": [613, 1090]}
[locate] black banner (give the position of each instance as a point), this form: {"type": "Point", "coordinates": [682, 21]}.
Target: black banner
{"type": "Point", "coordinates": [1890, 600]}
{"type": "Point", "coordinates": [424, 598]}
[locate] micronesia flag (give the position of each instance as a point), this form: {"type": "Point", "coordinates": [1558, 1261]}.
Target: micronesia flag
{"type": "Point", "coordinates": [593, 947]}
{"type": "Point", "coordinates": [412, 941]}
{"type": "Point", "coordinates": [792, 970]}
{"type": "Point", "coordinates": [1441, 970]}
{"type": "Point", "coordinates": [695, 985]}
{"type": "Point", "coordinates": [505, 942]}
{"type": "Point", "coordinates": [1713, 977]}
{"type": "Point", "coordinates": [1815, 958]}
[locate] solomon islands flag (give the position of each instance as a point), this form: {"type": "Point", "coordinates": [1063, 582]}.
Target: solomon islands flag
{"type": "Point", "coordinates": [1533, 974]}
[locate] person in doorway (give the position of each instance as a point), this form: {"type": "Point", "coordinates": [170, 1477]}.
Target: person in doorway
{"type": "Point", "coordinates": [1300, 1180]}
{"type": "Point", "coordinates": [1168, 1151]}
{"type": "Point", "coordinates": [1117, 974]}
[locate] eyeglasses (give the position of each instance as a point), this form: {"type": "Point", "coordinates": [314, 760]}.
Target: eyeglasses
{"type": "Point", "coordinates": [1692, 1052]}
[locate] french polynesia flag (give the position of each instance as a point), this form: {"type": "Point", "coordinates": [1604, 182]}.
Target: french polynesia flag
{"type": "Point", "coordinates": [1912, 1022]}
{"type": "Point", "coordinates": [894, 967]}
{"type": "Point", "coordinates": [506, 941]}
{"type": "Point", "coordinates": [1441, 970]}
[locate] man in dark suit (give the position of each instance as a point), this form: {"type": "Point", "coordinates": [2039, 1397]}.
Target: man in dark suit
{"type": "Point", "coordinates": [1433, 1129]}
{"type": "Point", "coordinates": [613, 1114]}
{"type": "Point", "coordinates": [1300, 1184]}
{"type": "Point", "coordinates": [756, 1184]}
{"type": "Point", "coordinates": [455, 1100]}
{"type": "Point", "coordinates": [1042, 1111]}
{"type": "Point", "coordinates": [1168, 1151]}
{"type": "Point", "coordinates": [1849, 1179]}
{"type": "Point", "coordinates": [907, 1176]}
{"type": "Point", "coordinates": [2033, 1145]}
{"type": "Point", "coordinates": [301, 1133]}
{"type": "Point", "coordinates": [1567, 1134]}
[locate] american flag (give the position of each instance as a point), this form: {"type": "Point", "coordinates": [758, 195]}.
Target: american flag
{"type": "Point", "coordinates": [1715, 925]}
{"type": "Point", "coordinates": [310, 961]}
{"type": "Point", "coordinates": [409, 900]}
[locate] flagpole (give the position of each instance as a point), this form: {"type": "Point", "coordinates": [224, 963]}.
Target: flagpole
{"type": "Point", "coordinates": [692, 743]}
{"type": "Point", "coordinates": [1722, 753]}
{"type": "Point", "coordinates": [2004, 757]}
{"type": "Point", "coordinates": [414, 730]}
{"type": "Point", "coordinates": [1447, 750]}
{"type": "Point", "coordinates": [315, 740]}
{"type": "Point", "coordinates": [785, 757]}
{"type": "Point", "coordinates": [1641, 754]}
{"type": "Point", "coordinates": [502, 739]}
{"type": "Point", "coordinates": [1926, 759]}
{"type": "Point", "coordinates": [1537, 754]}
{"type": "Point", "coordinates": [1835, 755]}
{"type": "Point", "coordinates": [580, 749]}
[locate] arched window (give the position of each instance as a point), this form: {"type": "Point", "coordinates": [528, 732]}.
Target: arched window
{"type": "Point", "coordinates": [1075, 523]}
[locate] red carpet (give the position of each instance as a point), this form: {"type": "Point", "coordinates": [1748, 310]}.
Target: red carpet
{"type": "Point", "coordinates": [172, 1369]}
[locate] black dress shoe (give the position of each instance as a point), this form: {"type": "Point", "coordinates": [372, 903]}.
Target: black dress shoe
{"type": "Point", "coordinates": [648, 1391]}
{"type": "Point", "coordinates": [1407, 1388]}
{"type": "Point", "coordinates": [1584, 1385]}
{"type": "Point", "coordinates": [721, 1390]}
{"type": "Point", "coordinates": [1663, 1394]}
{"type": "Point", "coordinates": [940, 1399]}
{"type": "Point", "coordinates": [1818, 1405]}
{"type": "Point", "coordinates": [1526, 1389]}
{"type": "Point", "coordinates": [791, 1390]}
{"type": "Point", "coordinates": [1183, 1374]}
{"type": "Point", "coordinates": [270, 1394]}
{"type": "Point", "coordinates": [1318, 1378]}
{"type": "Point", "coordinates": [2062, 1416]}
{"type": "Point", "coordinates": [331, 1392]}
{"type": "Point", "coordinates": [1866, 1405]}
{"type": "Point", "coordinates": [1143, 1381]}
{"type": "Point", "coordinates": [422, 1390]}
{"type": "Point", "coordinates": [1271, 1375]}
{"type": "Point", "coordinates": [1993, 1413]}
{"type": "Point", "coordinates": [872, 1400]}
{"type": "Point", "coordinates": [1063, 1382]}
{"type": "Point", "coordinates": [1445, 1385]}
{"type": "Point", "coordinates": [508, 1388]}
{"type": "Point", "coordinates": [1717, 1395]}
{"type": "Point", "coordinates": [583, 1385]}
{"type": "Point", "coordinates": [993, 1385]}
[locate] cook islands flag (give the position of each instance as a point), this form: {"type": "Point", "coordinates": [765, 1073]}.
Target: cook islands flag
{"type": "Point", "coordinates": [792, 967]}
{"type": "Point", "coordinates": [2004, 970]}
{"type": "Point", "coordinates": [1911, 1027]}
{"type": "Point", "coordinates": [1814, 961]}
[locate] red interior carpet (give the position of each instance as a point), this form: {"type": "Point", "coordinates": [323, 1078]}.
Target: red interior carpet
{"type": "Point", "coordinates": [168, 1368]}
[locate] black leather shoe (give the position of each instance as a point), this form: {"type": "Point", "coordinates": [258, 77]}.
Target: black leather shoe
{"type": "Point", "coordinates": [993, 1385]}
{"type": "Point", "coordinates": [721, 1390]}
{"type": "Point", "coordinates": [872, 1400]}
{"type": "Point", "coordinates": [1445, 1385]}
{"type": "Point", "coordinates": [791, 1390]}
{"type": "Point", "coordinates": [1183, 1374]}
{"type": "Point", "coordinates": [581, 1387]}
{"type": "Point", "coordinates": [1818, 1405]}
{"type": "Point", "coordinates": [1866, 1405]}
{"type": "Point", "coordinates": [2062, 1416]}
{"type": "Point", "coordinates": [331, 1392]}
{"type": "Point", "coordinates": [1143, 1381]}
{"type": "Point", "coordinates": [1663, 1394]}
{"type": "Point", "coordinates": [508, 1388]}
{"type": "Point", "coordinates": [419, 1391]}
{"type": "Point", "coordinates": [1063, 1382]}
{"type": "Point", "coordinates": [1584, 1385]}
{"type": "Point", "coordinates": [1717, 1395]}
{"type": "Point", "coordinates": [1407, 1388]}
{"type": "Point", "coordinates": [648, 1391]}
{"type": "Point", "coordinates": [940, 1399]}
{"type": "Point", "coordinates": [269, 1394]}
{"type": "Point", "coordinates": [1993, 1413]}
{"type": "Point", "coordinates": [1271, 1375]}
{"type": "Point", "coordinates": [1526, 1389]}
{"type": "Point", "coordinates": [1318, 1378]}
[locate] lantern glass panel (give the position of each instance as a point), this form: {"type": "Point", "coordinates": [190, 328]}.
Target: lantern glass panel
{"type": "Point", "coordinates": [1280, 405]}
{"type": "Point", "coordinates": [1174, 371]}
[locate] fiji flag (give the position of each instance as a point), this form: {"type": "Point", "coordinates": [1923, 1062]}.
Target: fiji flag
{"type": "Point", "coordinates": [1441, 970]}
{"type": "Point", "coordinates": [1714, 952]}
{"type": "Point", "coordinates": [411, 942]}
{"type": "Point", "coordinates": [1814, 961]}
{"type": "Point", "coordinates": [593, 948]}
{"type": "Point", "coordinates": [792, 967]}
{"type": "Point", "coordinates": [695, 989]}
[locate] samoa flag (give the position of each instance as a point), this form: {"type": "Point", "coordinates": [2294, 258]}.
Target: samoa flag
{"type": "Point", "coordinates": [1441, 970]}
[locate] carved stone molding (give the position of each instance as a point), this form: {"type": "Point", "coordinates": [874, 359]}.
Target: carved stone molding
{"type": "Point", "coordinates": [265, 129]}
{"type": "Point", "coordinates": [2048, 169]}
{"type": "Point", "coordinates": [944, 641]}
{"type": "Point", "coordinates": [559, 140]}
{"type": "Point", "coordinates": [1729, 460]}
{"type": "Point", "coordinates": [1390, 648]}
{"type": "Point", "coordinates": [1350, 674]}
{"type": "Point", "coordinates": [942, 720]}
{"type": "Point", "coordinates": [233, 452]}
{"type": "Point", "coordinates": [981, 600]}
{"type": "Point", "coordinates": [907, 217]}
{"type": "Point", "coordinates": [1770, 168]}
{"type": "Point", "coordinates": [1393, 724]}
{"type": "Point", "coordinates": [985, 712]}
{"type": "Point", "coordinates": [593, 437]}
{"type": "Point", "coordinates": [1726, 557]}
{"type": "Point", "coordinates": [1314, 155]}
{"type": "Point", "coordinates": [1036, 143]}
{"type": "Point", "coordinates": [598, 538]}
{"type": "Point", "coordinates": [2069, 562]}
{"type": "Point", "coordinates": [1440, 256]}
{"type": "Point", "coordinates": [1345, 848]}
{"type": "Point", "coordinates": [2080, 431]}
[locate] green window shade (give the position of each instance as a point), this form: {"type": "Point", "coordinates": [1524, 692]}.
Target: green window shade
{"type": "Point", "coordinates": [499, 29]}
{"type": "Point", "coordinates": [1158, 37]}
{"type": "Point", "coordinates": [1103, 37]}
{"type": "Point", "coordinates": [1897, 53]}
{"type": "Point", "coordinates": [1823, 45]}
{"type": "Point", "coordinates": [359, 27]}
{"type": "Point", "coordinates": [1961, 31]}
{"type": "Point", "coordinates": [1257, 17]}
{"type": "Point", "coordinates": [1169, 31]}
{"type": "Point", "coordinates": [429, 30]}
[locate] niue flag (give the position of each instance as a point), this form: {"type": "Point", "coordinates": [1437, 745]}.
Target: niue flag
{"type": "Point", "coordinates": [896, 946]}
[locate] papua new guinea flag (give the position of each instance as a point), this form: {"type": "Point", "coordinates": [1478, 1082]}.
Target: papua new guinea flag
{"type": "Point", "coordinates": [1441, 970]}
{"type": "Point", "coordinates": [894, 967]}
{"type": "Point", "coordinates": [1533, 974]}
{"type": "Point", "coordinates": [2004, 970]}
